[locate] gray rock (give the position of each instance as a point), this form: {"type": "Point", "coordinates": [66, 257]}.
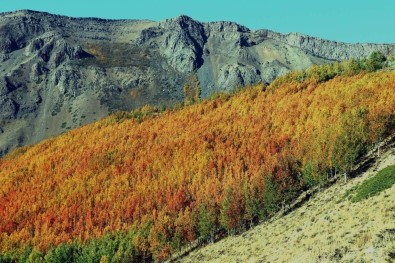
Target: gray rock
{"type": "Point", "coordinates": [5, 86]}
{"type": "Point", "coordinates": [330, 49]}
{"type": "Point", "coordinates": [237, 75]}
{"type": "Point", "coordinates": [9, 108]}
{"type": "Point", "coordinates": [4, 57]}
{"type": "Point", "coordinates": [182, 43]}
{"type": "Point", "coordinates": [37, 70]}
{"type": "Point", "coordinates": [34, 46]}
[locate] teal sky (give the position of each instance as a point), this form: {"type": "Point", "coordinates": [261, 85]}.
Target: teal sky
{"type": "Point", "coordinates": [341, 20]}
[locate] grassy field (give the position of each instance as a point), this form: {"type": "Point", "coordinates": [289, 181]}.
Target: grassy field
{"type": "Point", "coordinates": [383, 180]}
{"type": "Point", "coordinates": [327, 228]}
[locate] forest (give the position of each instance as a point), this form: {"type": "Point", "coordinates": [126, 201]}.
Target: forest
{"type": "Point", "coordinates": [143, 185]}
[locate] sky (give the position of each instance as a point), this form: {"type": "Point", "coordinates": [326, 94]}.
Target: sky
{"type": "Point", "coordinates": [350, 21]}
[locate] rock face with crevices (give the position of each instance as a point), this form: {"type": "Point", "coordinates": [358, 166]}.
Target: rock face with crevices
{"type": "Point", "coordinates": [58, 73]}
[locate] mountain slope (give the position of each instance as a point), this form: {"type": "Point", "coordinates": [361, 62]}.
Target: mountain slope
{"type": "Point", "coordinates": [142, 185]}
{"type": "Point", "coordinates": [327, 228]}
{"type": "Point", "coordinates": [58, 73]}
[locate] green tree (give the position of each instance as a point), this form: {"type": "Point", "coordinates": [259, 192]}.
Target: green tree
{"type": "Point", "coordinates": [140, 240]}
{"type": "Point", "coordinates": [205, 224]}
{"type": "Point", "coordinates": [307, 174]}
{"type": "Point", "coordinates": [270, 197]}
{"type": "Point", "coordinates": [35, 257]}
{"type": "Point", "coordinates": [352, 142]}
{"type": "Point", "coordinates": [252, 202]}
{"type": "Point", "coordinates": [225, 218]}
{"type": "Point", "coordinates": [353, 67]}
{"type": "Point", "coordinates": [63, 253]}
{"type": "Point", "coordinates": [8, 258]}
{"type": "Point", "coordinates": [375, 61]}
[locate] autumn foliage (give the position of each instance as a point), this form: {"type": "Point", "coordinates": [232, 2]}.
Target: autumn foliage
{"type": "Point", "coordinates": [215, 167]}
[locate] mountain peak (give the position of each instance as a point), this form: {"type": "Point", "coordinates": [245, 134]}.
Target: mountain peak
{"type": "Point", "coordinates": [183, 17]}
{"type": "Point", "coordinates": [25, 11]}
{"type": "Point", "coordinates": [20, 13]}
{"type": "Point", "coordinates": [182, 21]}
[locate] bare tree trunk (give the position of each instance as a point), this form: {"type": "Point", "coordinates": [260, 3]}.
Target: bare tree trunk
{"type": "Point", "coordinates": [345, 177]}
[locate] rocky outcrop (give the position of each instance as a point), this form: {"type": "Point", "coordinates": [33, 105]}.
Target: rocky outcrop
{"type": "Point", "coordinates": [5, 86]}
{"type": "Point", "coordinates": [58, 73]}
{"type": "Point", "coordinates": [17, 32]}
{"type": "Point", "coordinates": [58, 51]}
{"type": "Point", "coordinates": [233, 75]}
{"type": "Point", "coordinates": [180, 41]}
{"type": "Point", "coordinates": [9, 108]}
{"type": "Point", "coordinates": [330, 49]}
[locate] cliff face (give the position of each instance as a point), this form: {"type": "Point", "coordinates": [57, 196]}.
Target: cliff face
{"type": "Point", "coordinates": [58, 73]}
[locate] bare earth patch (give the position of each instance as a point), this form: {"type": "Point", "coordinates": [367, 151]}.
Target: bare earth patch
{"type": "Point", "coordinates": [327, 228]}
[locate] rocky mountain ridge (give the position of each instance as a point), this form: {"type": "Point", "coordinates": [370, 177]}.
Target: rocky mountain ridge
{"type": "Point", "coordinates": [58, 73]}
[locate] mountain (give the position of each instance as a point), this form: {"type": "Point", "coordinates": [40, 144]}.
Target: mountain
{"type": "Point", "coordinates": [58, 73]}
{"type": "Point", "coordinates": [144, 185]}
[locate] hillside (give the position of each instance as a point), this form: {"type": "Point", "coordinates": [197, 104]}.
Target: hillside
{"type": "Point", "coordinates": [58, 73]}
{"type": "Point", "coordinates": [327, 228]}
{"type": "Point", "coordinates": [143, 185]}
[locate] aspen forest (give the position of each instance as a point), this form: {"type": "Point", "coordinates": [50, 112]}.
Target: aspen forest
{"type": "Point", "coordinates": [143, 185]}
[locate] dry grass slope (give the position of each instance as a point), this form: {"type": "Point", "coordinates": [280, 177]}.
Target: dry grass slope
{"type": "Point", "coordinates": [327, 228]}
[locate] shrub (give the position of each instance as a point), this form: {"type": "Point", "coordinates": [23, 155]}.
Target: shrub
{"type": "Point", "coordinates": [375, 62]}
{"type": "Point", "coordinates": [383, 180]}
